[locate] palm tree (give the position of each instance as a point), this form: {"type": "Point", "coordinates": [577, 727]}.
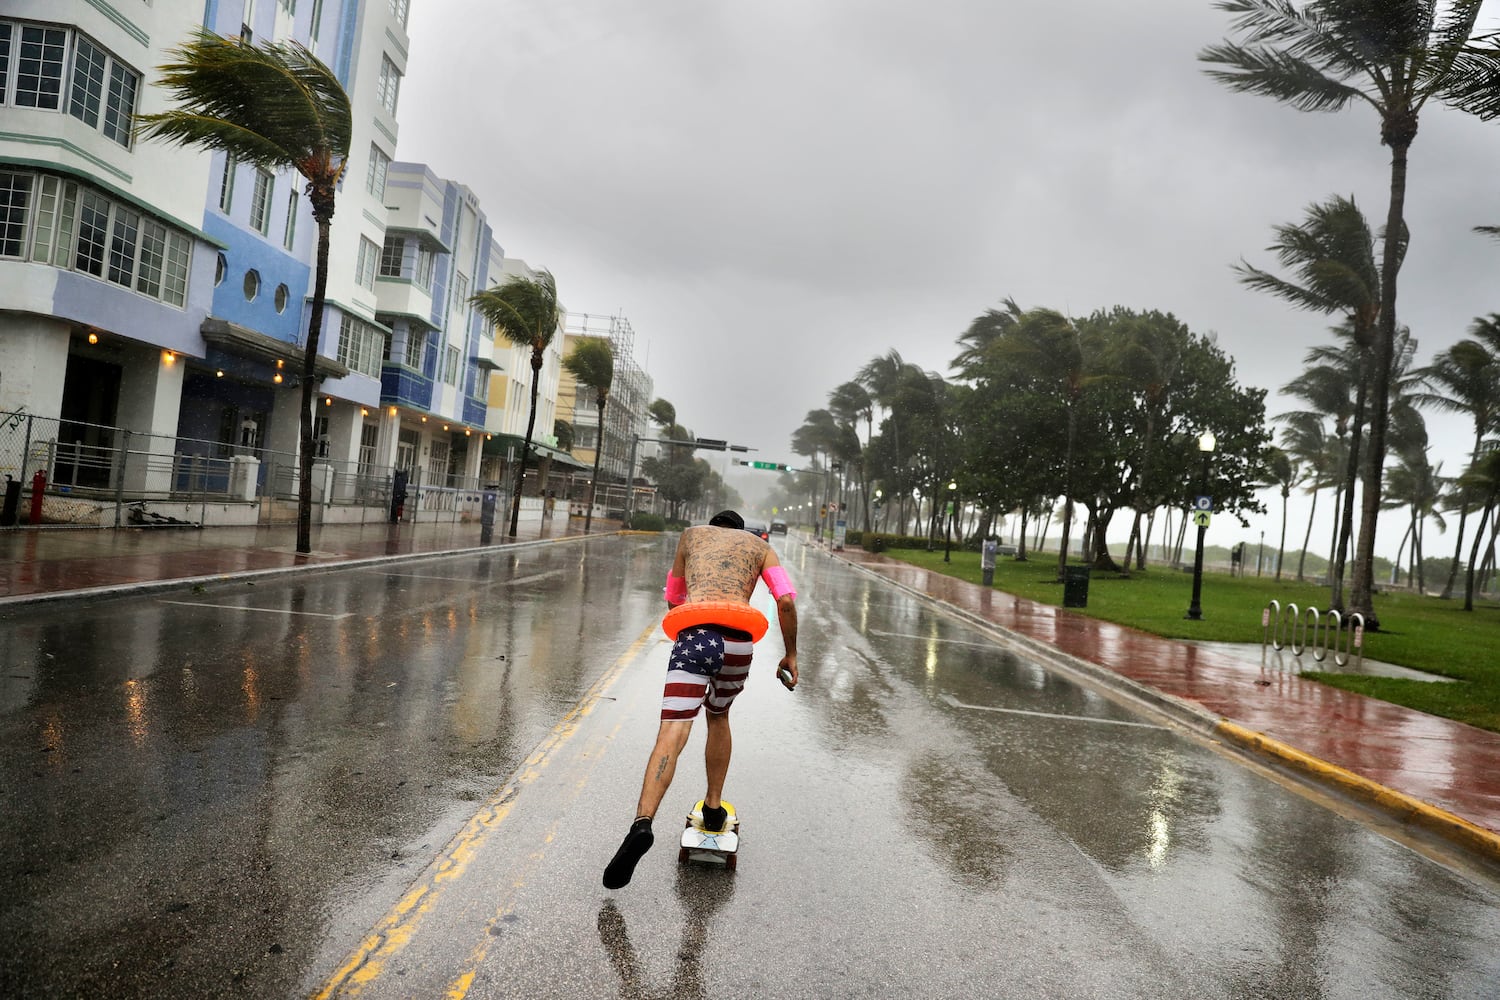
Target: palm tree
{"type": "Point", "coordinates": [1331, 255]}
{"type": "Point", "coordinates": [1305, 438]}
{"type": "Point", "coordinates": [1465, 379]}
{"type": "Point", "coordinates": [277, 106]}
{"type": "Point", "coordinates": [849, 404]}
{"type": "Point", "coordinates": [592, 364]}
{"type": "Point", "coordinates": [1483, 478]}
{"type": "Point", "coordinates": [524, 310]}
{"type": "Point", "coordinates": [1394, 56]}
{"type": "Point", "coordinates": [1283, 473]}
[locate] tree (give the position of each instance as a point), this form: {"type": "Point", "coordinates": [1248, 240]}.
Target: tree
{"type": "Point", "coordinates": [1465, 379]}
{"type": "Point", "coordinates": [525, 311]}
{"type": "Point", "coordinates": [1305, 437]}
{"type": "Point", "coordinates": [592, 364]}
{"type": "Point", "coordinates": [1331, 255]}
{"type": "Point", "coordinates": [274, 105]}
{"type": "Point", "coordinates": [563, 431]}
{"type": "Point", "coordinates": [1285, 474]}
{"type": "Point", "coordinates": [1483, 478]}
{"type": "Point", "coordinates": [1393, 56]}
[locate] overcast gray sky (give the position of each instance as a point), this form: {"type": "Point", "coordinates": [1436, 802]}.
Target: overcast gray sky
{"type": "Point", "coordinates": [774, 193]}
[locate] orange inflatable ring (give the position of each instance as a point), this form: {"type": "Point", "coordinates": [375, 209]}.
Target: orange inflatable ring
{"type": "Point", "coordinates": [730, 614]}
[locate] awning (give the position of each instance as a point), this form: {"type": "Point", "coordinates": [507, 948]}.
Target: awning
{"type": "Point", "coordinates": [250, 343]}
{"type": "Point", "coordinates": [498, 444]}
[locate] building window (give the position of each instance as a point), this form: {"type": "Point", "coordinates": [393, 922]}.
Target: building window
{"type": "Point", "coordinates": [361, 346]}
{"type": "Point", "coordinates": [416, 348]}
{"type": "Point", "coordinates": [283, 298]}
{"type": "Point", "coordinates": [450, 365]}
{"type": "Point", "coordinates": [317, 21]}
{"type": "Point", "coordinates": [260, 201]}
{"type": "Point", "coordinates": [437, 463]}
{"type": "Point", "coordinates": [461, 299]}
{"type": "Point", "coordinates": [70, 225]}
{"type": "Point", "coordinates": [226, 183]}
{"type": "Point", "coordinates": [369, 434]}
{"type": "Point", "coordinates": [251, 285]}
{"type": "Point", "coordinates": [101, 94]}
{"type": "Point", "coordinates": [376, 173]}
{"type": "Point", "coordinates": [390, 256]}
{"type": "Point", "coordinates": [389, 86]}
{"type": "Point", "coordinates": [399, 10]}
{"type": "Point", "coordinates": [290, 238]}
{"type": "Point", "coordinates": [15, 200]}
{"type": "Point", "coordinates": [364, 267]}
{"type": "Point", "coordinates": [39, 67]}
{"type": "Point", "coordinates": [426, 262]}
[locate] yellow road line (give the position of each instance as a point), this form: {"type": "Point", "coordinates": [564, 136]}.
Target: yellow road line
{"type": "Point", "coordinates": [1399, 804]}
{"type": "Point", "coordinates": [396, 930]}
{"type": "Point", "coordinates": [459, 988]}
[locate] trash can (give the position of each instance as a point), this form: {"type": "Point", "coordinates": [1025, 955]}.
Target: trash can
{"type": "Point", "coordinates": [10, 512]}
{"type": "Point", "coordinates": [1075, 586]}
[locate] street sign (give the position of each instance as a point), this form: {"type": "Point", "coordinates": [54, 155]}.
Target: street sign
{"type": "Point", "coordinates": [1201, 518]}
{"type": "Point", "coordinates": [711, 444]}
{"type": "Point", "coordinates": [1203, 503]}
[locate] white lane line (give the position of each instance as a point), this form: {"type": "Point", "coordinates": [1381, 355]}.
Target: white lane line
{"type": "Point", "coordinates": [931, 638]}
{"type": "Point", "coordinates": [265, 611]}
{"type": "Point", "coordinates": [1047, 715]}
{"type": "Point", "coordinates": [472, 579]}
{"type": "Point", "coordinates": [535, 576]}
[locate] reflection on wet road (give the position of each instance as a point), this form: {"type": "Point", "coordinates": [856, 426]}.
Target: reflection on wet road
{"type": "Point", "coordinates": [206, 799]}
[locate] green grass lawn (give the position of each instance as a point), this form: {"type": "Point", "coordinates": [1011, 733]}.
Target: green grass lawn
{"type": "Point", "coordinates": [1419, 632]}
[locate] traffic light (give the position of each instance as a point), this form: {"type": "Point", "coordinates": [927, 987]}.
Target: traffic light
{"type": "Point", "coordinates": [823, 511]}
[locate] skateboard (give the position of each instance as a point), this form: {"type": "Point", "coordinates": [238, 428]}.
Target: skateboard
{"type": "Point", "coordinates": [700, 845]}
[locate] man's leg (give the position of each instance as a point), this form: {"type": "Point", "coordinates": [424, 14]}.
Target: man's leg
{"type": "Point", "coordinates": [670, 739]}
{"type": "Point", "coordinates": [716, 757]}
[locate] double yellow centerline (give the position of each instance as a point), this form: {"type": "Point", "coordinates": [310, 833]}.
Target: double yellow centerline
{"type": "Point", "coordinates": [396, 929]}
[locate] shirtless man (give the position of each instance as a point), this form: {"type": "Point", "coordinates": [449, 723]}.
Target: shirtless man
{"type": "Point", "coordinates": [709, 665]}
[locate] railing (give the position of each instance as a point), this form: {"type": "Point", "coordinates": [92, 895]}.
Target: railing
{"type": "Point", "coordinates": [1298, 630]}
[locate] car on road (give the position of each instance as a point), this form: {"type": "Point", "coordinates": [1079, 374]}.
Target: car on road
{"type": "Point", "coordinates": [778, 527]}
{"type": "Point", "coordinates": [759, 528]}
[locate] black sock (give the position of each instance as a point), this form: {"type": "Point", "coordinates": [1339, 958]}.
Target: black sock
{"type": "Point", "coordinates": [637, 842]}
{"type": "Point", "coordinates": [714, 818]}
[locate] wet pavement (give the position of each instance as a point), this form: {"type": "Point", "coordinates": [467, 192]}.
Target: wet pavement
{"type": "Point", "coordinates": [1452, 767]}
{"type": "Point", "coordinates": [403, 779]}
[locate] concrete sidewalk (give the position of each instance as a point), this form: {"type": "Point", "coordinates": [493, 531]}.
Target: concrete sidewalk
{"type": "Point", "coordinates": [1438, 775]}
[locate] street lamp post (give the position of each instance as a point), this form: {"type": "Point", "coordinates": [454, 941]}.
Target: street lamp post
{"type": "Point", "coordinates": [952, 510]}
{"type": "Point", "coordinates": [1195, 610]}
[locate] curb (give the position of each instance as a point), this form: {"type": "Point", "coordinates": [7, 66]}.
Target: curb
{"type": "Point", "coordinates": [1403, 808]}
{"type": "Point", "coordinates": [1398, 805]}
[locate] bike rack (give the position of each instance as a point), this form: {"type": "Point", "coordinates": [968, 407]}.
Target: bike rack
{"type": "Point", "coordinates": [1301, 629]}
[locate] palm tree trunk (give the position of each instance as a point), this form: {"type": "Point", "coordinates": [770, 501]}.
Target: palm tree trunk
{"type": "Point", "coordinates": [1307, 538]}
{"type": "Point", "coordinates": [1062, 550]}
{"type": "Point", "coordinates": [536, 385]}
{"type": "Point", "coordinates": [1351, 476]}
{"type": "Point", "coordinates": [309, 390]}
{"type": "Point", "coordinates": [1474, 556]}
{"type": "Point", "coordinates": [588, 519]}
{"type": "Point", "coordinates": [1285, 493]}
{"type": "Point", "coordinates": [1361, 598]}
{"type": "Point", "coordinates": [1463, 514]}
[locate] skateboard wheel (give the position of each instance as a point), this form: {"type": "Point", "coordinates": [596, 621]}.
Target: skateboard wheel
{"type": "Point", "coordinates": [682, 855]}
{"type": "Point", "coordinates": [731, 860]}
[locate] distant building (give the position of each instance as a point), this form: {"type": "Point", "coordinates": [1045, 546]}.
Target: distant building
{"type": "Point", "coordinates": [625, 417]}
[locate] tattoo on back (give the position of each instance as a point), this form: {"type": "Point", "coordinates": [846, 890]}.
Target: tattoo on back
{"type": "Point", "coordinates": [722, 563]}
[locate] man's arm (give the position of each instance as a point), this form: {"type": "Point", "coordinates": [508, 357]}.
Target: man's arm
{"type": "Point", "coordinates": [786, 617]}
{"type": "Point", "coordinates": [676, 589]}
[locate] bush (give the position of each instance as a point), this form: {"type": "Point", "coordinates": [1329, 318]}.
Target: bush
{"type": "Point", "coordinates": [647, 522]}
{"type": "Point", "coordinates": [879, 541]}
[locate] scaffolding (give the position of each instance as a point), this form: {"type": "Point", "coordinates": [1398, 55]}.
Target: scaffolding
{"type": "Point", "coordinates": [629, 395]}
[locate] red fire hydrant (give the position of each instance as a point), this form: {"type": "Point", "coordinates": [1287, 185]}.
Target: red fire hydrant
{"type": "Point", "coordinates": [38, 487]}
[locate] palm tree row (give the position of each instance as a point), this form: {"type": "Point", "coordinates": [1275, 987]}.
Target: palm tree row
{"type": "Point", "coordinates": [1393, 57]}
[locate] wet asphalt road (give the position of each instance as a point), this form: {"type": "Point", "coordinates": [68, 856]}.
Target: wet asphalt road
{"type": "Point", "coordinates": [404, 781]}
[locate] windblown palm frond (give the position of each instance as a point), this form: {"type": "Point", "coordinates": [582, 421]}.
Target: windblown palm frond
{"type": "Point", "coordinates": [274, 105]}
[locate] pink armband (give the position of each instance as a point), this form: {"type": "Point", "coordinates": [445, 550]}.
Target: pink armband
{"type": "Point", "coordinates": [779, 582]}
{"type": "Point", "coordinates": [676, 589]}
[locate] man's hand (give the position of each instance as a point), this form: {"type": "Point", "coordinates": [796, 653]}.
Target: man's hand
{"type": "Point", "coordinates": [786, 672]}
